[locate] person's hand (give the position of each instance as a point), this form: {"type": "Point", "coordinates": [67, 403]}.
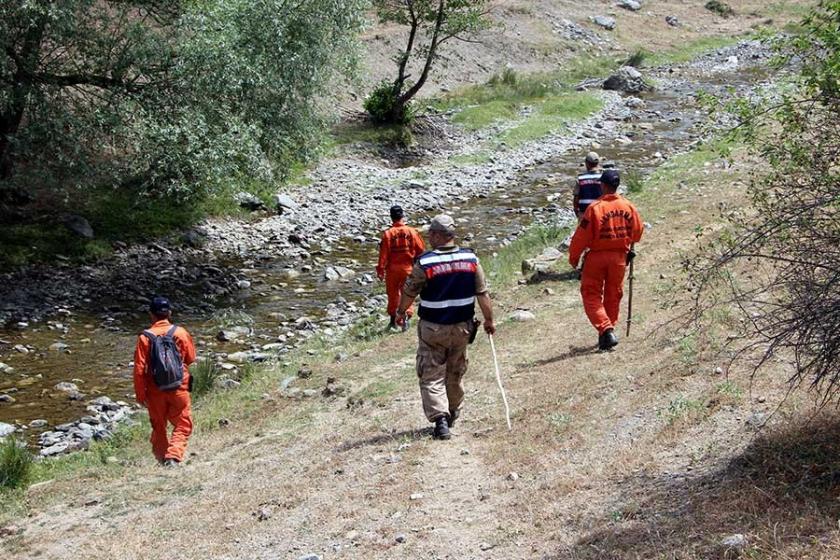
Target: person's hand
{"type": "Point", "coordinates": [380, 275]}
{"type": "Point", "coordinates": [399, 318]}
{"type": "Point", "coordinates": [489, 326]}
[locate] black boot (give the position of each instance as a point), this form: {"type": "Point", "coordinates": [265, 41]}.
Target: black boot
{"type": "Point", "coordinates": [441, 428]}
{"type": "Point", "coordinates": [453, 415]}
{"type": "Point", "coordinates": [393, 323]}
{"type": "Point", "coordinates": [607, 340]}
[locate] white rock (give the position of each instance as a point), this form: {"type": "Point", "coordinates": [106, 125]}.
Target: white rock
{"type": "Point", "coordinates": [6, 429]}
{"type": "Point", "coordinates": [522, 316]}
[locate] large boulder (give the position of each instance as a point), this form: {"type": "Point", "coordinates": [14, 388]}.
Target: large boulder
{"type": "Point", "coordinates": [627, 80]}
{"type": "Point", "coordinates": [284, 202]}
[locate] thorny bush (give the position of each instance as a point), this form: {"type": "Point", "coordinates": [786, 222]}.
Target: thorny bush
{"type": "Point", "coordinates": [779, 262]}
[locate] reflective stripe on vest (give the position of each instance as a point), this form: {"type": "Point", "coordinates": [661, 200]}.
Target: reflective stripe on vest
{"type": "Point", "coordinates": [449, 294]}
{"type": "Point", "coordinates": [589, 189]}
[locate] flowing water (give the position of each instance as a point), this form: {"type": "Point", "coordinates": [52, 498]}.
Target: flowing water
{"type": "Point", "coordinates": [101, 344]}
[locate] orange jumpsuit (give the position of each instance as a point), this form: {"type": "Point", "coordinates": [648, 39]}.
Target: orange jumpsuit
{"type": "Point", "coordinates": [165, 406]}
{"type": "Point", "coordinates": [400, 245]}
{"type": "Point", "coordinates": [608, 228]}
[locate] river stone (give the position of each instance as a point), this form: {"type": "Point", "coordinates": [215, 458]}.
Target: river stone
{"type": "Point", "coordinates": [606, 22]}
{"type": "Point", "coordinates": [228, 383]}
{"type": "Point", "coordinates": [67, 387]}
{"type": "Point", "coordinates": [40, 423]}
{"type": "Point", "coordinates": [631, 5]}
{"type": "Point", "coordinates": [627, 80]}
{"type": "Point", "coordinates": [673, 21]}
{"type": "Point", "coordinates": [20, 348]}
{"type": "Point", "coordinates": [5, 368]}
{"type": "Point", "coordinates": [56, 449]}
{"type": "Point", "coordinates": [6, 429]}
{"type": "Point", "coordinates": [6, 398]}
{"type": "Point", "coordinates": [284, 202]}
{"type": "Point", "coordinates": [78, 226]}
{"type": "Point", "coordinates": [194, 238]}
{"type": "Point", "coordinates": [309, 557]}
{"type": "Point", "coordinates": [59, 347]}
{"type": "Point", "coordinates": [239, 357]}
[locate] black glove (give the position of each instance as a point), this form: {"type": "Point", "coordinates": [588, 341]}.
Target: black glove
{"type": "Point", "coordinates": [631, 254]}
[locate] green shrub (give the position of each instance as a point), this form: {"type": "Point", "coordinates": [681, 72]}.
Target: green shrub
{"type": "Point", "coordinates": [15, 463]}
{"type": "Point", "coordinates": [637, 59]}
{"type": "Point", "coordinates": [382, 105]}
{"type": "Point", "coordinates": [204, 375]}
{"type": "Point", "coordinates": [634, 181]}
{"type": "Point", "coordinates": [721, 8]}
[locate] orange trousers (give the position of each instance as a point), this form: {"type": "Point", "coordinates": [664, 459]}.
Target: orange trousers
{"type": "Point", "coordinates": [169, 407]}
{"type": "Point", "coordinates": [601, 286]}
{"type": "Point", "coordinates": [394, 280]}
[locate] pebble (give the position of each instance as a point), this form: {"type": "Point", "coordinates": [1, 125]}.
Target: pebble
{"type": "Point", "coordinates": [416, 496]}
{"type": "Point", "coordinates": [400, 538]}
{"type": "Point", "coordinates": [513, 476]}
{"type": "Point", "coordinates": [736, 541]}
{"type": "Point", "coordinates": [309, 557]}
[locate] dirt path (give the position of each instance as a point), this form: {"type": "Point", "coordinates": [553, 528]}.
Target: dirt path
{"type": "Point", "coordinates": [639, 453]}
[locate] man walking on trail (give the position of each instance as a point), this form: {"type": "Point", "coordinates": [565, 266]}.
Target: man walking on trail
{"type": "Point", "coordinates": [587, 187]}
{"type": "Point", "coordinates": [400, 245]}
{"type": "Point", "coordinates": [162, 380]}
{"type": "Point", "coordinates": [608, 230]}
{"type": "Point", "coordinates": [449, 280]}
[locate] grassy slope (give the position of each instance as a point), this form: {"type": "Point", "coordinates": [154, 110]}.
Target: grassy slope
{"type": "Point", "coordinates": [639, 453]}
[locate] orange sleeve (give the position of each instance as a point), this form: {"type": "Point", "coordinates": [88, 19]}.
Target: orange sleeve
{"type": "Point", "coordinates": [419, 246]}
{"type": "Point", "coordinates": [582, 237]}
{"type": "Point", "coordinates": [141, 352]}
{"type": "Point", "coordinates": [638, 225]}
{"type": "Point", "coordinates": [384, 253]}
{"type": "Point", "coordinates": [186, 346]}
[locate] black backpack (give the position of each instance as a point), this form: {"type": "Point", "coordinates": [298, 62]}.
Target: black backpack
{"type": "Point", "coordinates": [165, 360]}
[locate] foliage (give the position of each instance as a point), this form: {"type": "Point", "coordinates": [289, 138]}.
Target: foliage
{"type": "Point", "coordinates": [720, 8]}
{"type": "Point", "coordinates": [384, 107]}
{"type": "Point", "coordinates": [505, 265]}
{"type": "Point", "coordinates": [204, 376]}
{"type": "Point", "coordinates": [431, 24]}
{"type": "Point", "coordinates": [637, 59]}
{"type": "Point", "coordinates": [15, 463]}
{"type": "Point", "coordinates": [162, 99]}
{"type": "Point", "coordinates": [778, 263]}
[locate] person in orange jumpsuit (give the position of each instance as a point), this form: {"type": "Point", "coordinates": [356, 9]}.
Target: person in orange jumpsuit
{"type": "Point", "coordinates": [608, 229]}
{"type": "Point", "coordinates": [400, 245]}
{"type": "Point", "coordinates": [174, 406]}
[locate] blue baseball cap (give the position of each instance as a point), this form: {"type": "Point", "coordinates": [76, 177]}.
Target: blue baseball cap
{"type": "Point", "coordinates": [611, 177]}
{"type": "Point", "coordinates": [159, 304]}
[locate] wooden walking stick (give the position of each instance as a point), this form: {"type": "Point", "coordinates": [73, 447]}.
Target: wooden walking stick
{"type": "Point", "coordinates": [499, 381]}
{"type": "Point", "coordinates": [632, 255]}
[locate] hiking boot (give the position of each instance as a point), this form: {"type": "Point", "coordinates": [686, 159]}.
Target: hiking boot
{"type": "Point", "coordinates": [607, 340]}
{"type": "Point", "coordinates": [453, 415]}
{"type": "Point", "coordinates": [406, 324]}
{"type": "Point", "coordinates": [392, 325]}
{"type": "Point", "coordinates": [171, 463]}
{"type": "Point", "coordinates": [441, 429]}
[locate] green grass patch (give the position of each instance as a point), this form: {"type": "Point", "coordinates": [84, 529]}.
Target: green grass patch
{"type": "Point", "coordinates": [683, 409]}
{"type": "Point", "coordinates": [475, 158]}
{"type": "Point", "coordinates": [506, 264]}
{"type": "Point", "coordinates": [15, 463]}
{"type": "Point", "coordinates": [554, 113]}
{"type": "Point", "coordinates": [692, 49]}
{"type": "Point", "coordinates": [368, 132]}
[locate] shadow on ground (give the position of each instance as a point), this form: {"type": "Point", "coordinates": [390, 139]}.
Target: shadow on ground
{"type": "Point", "coordinates": [404, 435]}
{"type": "Point", "coordinates": [781, 493]}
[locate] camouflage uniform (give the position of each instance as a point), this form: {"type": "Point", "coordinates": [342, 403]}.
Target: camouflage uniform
{"type": "Point", "coordinates": [441, 351]}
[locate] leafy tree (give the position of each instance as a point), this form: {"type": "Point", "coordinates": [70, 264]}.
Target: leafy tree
{"type": "Point", "coordinates": [163, 96]}
{"type": "Point", "coordinates": [431, 24]}
{"type": "Point", "coordinates": [779, 263]}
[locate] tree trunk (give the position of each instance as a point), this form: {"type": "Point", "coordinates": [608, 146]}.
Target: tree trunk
{"type": "Point", "coordinates": [26, 65]}
{"type": "Point", "coordinates": [430, 57]}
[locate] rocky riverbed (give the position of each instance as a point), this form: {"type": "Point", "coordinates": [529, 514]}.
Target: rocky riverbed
{"type": "Point", "coordinates": [252, 290]}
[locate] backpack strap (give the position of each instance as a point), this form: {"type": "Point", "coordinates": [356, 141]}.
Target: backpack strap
{"type": "Point", "coordinates": [150, 335]}
{"type": "Point", "coordinates": [171, 331]}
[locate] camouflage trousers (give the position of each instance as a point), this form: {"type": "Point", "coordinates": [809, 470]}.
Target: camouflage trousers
{"type": "Point", "coordinates": [441, 365]}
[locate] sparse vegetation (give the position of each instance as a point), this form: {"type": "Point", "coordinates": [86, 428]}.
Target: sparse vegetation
{"type": "Point", "coordinates": [15, 464]}
{"type": "Point", "coordinates": [720, 8]}
{"type": "Point", "coordinates": [204, 374]}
